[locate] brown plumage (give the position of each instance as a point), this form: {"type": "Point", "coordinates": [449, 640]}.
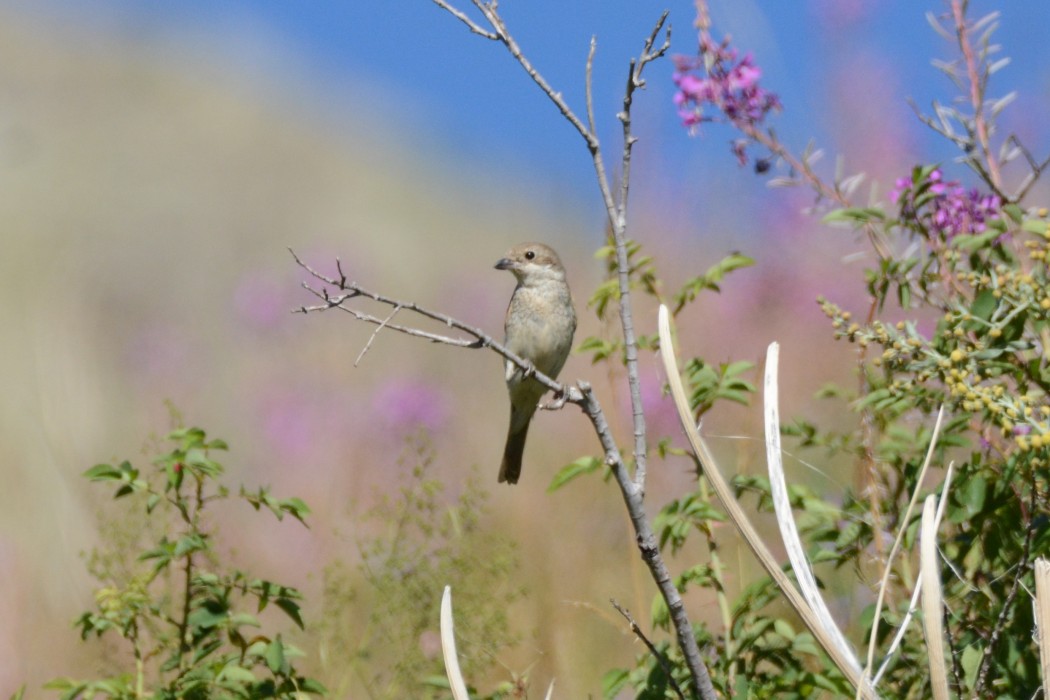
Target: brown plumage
{"type": "Point", "coordinates": [539, 328]}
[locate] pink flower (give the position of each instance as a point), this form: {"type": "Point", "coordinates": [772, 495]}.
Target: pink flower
{"type": "Point", "coordinates": [951, 211]}
{"type": "Point", "coordinates": [715, 79]}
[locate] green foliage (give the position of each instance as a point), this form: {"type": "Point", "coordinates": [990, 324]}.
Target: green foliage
{"type": "Point", "coordinates": [577, 468]}
{"type": "Point", "coordinates": [988, 290]}
{"type": "Point", "coordinates": [642, 276]}
{"type": "Point", "coordinates": [708, 384]}
{"type": "Point", "coordinates": [958, 316]}
{"type": "Point", "coordinates": [709, 280]}
{"type": "Point", "coordinates": [426, 540]}
{"type": "Point", "coordinates": [984, 362]}
{"type": "Point", "coordinates": [190, 627]}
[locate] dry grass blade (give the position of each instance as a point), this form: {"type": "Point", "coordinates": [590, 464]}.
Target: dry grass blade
{"type": "Point", "coordinates": [782, 505]}
{"type": "Point", "coordinates": [1042, 619]}
{"type": "Point", "coordinates": [914, 602]}
{"type": "Point", "coordinates": [897, 542]}
{"type": "Point", "coordinates": [448, 648]}
{"type": "Point", "coordinates": [932, 599]}
{"type": "Point", "coordinates": [845, 663]}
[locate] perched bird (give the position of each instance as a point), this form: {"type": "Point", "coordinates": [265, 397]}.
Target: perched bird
{"type": "Point", "coordinates": [539, 328]}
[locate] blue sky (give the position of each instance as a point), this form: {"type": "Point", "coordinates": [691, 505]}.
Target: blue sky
{"type": "Point", "coordinates": [412, 67]}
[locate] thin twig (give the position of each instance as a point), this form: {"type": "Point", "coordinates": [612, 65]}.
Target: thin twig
{"type": "Point", "coordinates": [588, 83]}
{"type": "Point", "coordinates": [618, 218]}
{"type": "Point", "coordinates": [466, 20]}
{"type": "Point", "coordinates": [491, 14]}
{"type": "Point", "coordinates": [649, 645]}
{"type": "Point", "coordinates": [1037, 169]}
{"type": "Point", "coordinates": [371, 338]}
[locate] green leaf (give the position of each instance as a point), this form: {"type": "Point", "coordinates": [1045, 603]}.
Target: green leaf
{"type": "Point", "coordinates": [188, 544]}
{"type": "Point", "coordinates": [599, 347]}
{"type": "Point", "coordinates": [210, 615]}
{"type": "Point", "coordinates": [983, 306]}
{"type": "Point", "coordinates": [614, 681]}
{"type": "Point", "coordinates": [291, 609]}
{"type": "Point", "coordinates": [295, 507]}
{"type": "Point", "coordinates": [710, 279]}
{"type": "Point", "coordinates": [709, 384]}
{"type": "Point", "coordinates": [854, 215]}
{"type": "Point", "coordinates": [583, 465]}
{"type": "Point", "coordinates": [237, 674]}
{"type": "Point", "coordinates": [977, 241]}
{"type": "Point", "coordinates": [312, 686]}
{"type": "Point", "coordinates": [1014, 212]}
{"type": "Point", "coordinates": [1037, 226]}
{"type": "Point", "coordinates": [244, 620]}
{"type": "Point", "coordinates": [102, 472]}
{"type": "Point", "coordinates": [274, 656]}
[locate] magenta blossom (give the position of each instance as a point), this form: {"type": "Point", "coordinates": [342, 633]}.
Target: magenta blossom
{"type": "Point", "coordinates": [715, 79]}
{"type": "Point", "coordinates": [944, 206]}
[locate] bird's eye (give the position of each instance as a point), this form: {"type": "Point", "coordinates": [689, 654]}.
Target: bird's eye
{"type": "Point", "coordinates": [530, 254]}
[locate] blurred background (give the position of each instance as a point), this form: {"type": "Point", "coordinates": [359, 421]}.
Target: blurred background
{"type": "Point", "coordinates": [157, 159]}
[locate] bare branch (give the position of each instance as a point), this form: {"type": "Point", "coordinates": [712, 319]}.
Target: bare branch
{"type": "Point", "coordinates": [618, 218]}
{"type": "Point", "coordinates": [482, 339]}
{"type": "Point", "coordinates": [491, 14]}
{"type": "Point", "coordinates": [1036, 167]}
{"type": "Point", "coordinates": [649, 645]}
{"type": "Point", "coordinates": [588, 83]}
{"type": "Point", "coordinates": [466, 20]}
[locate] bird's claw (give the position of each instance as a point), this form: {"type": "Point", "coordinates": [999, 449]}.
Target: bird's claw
{"type": "Point", "coordinates": [556, 402]}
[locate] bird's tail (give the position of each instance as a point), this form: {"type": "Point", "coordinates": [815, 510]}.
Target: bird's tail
{"type": "Point", "coordinates": [510, 467]}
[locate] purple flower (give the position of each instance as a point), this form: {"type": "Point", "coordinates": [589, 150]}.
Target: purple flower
{"type": "Point", "coordinates": [951, 210]}
{"type": "Point", "coordinates": [715, 79]}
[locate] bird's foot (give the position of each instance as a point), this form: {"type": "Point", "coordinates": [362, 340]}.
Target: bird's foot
{"type": "Point", "coordinates": [556, 402]}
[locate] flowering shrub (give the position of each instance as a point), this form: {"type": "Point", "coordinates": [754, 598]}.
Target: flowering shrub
{"type": "Point", "coordinates": [943, 208]}
{"type": "Point", "coordinates": [974, 258]}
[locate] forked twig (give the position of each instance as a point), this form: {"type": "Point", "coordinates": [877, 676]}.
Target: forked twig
{"type": "Point", "coordinates": [650, 646]}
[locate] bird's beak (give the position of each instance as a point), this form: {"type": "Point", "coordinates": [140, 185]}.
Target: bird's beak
{"type": "Point", "coordinates": [504, 264]}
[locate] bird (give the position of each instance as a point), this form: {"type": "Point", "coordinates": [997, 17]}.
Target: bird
{"type": "Point", "coordinates": [539, 327]}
